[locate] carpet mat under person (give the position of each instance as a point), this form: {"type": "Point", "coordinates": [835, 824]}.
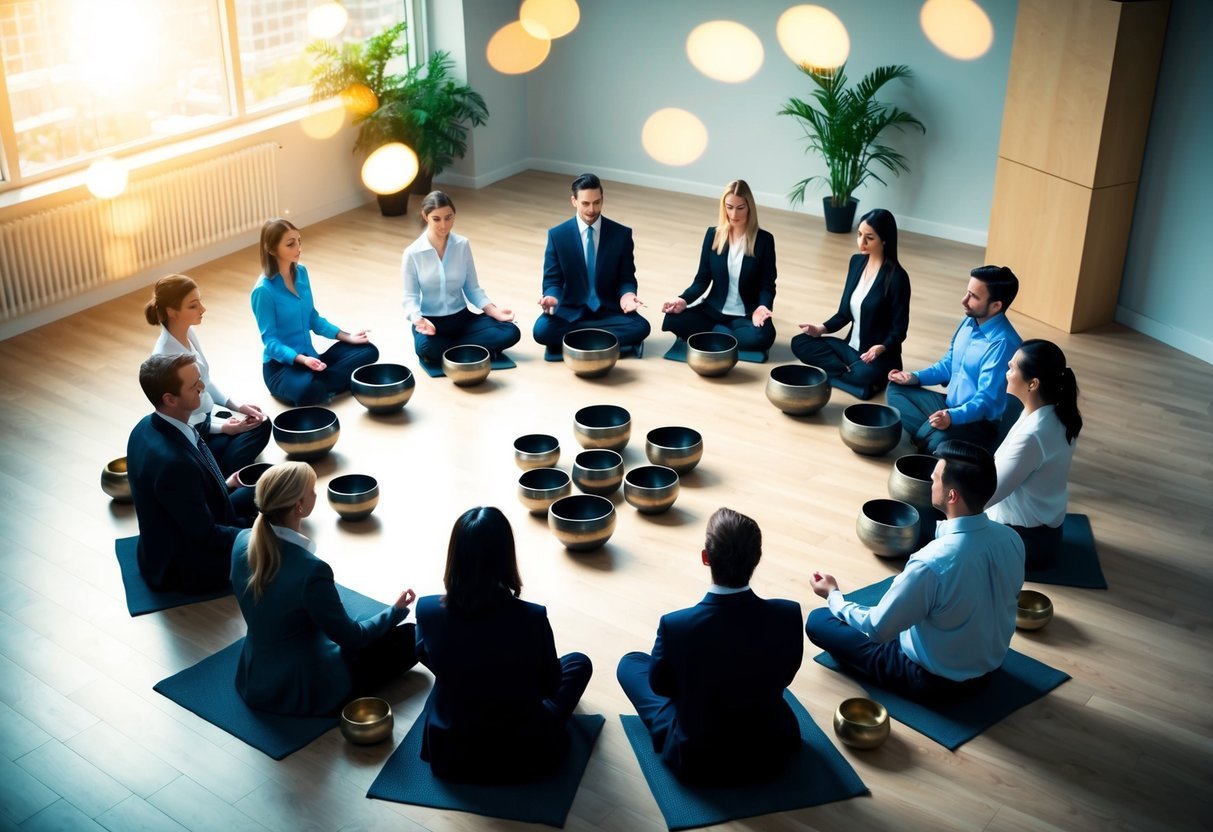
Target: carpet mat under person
{"type": "Point", "coordinates": [141, 598]}
{"type": "Point", "coordinates": [1077, 561]}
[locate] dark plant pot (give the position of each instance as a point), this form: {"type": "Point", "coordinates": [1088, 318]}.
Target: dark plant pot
{"type": "Point", "coordinates": [840, 219]}
{"type": "Point", "coordinates": [393, 205]}
{"type": "Point", "coordinates": [423, 183]}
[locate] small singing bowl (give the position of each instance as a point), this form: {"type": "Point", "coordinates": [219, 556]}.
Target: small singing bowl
{"type": "Point", "coordinates": [306, 433]}
{"type": "Point", "coordinates": [582, 522]}
{"type": "Point", "coordinates": [861, 723]}
{"type": "Point", "coordinates": [536, 450]}
{"type": "Point", "coordinates": [383, 388]}
{"type": "Point", "coordinates": [910, 479]}
{"type": "Point", "coordinates": [598, 471]}
{"type": "Point", "coordinates": [367, 721]}
{"type": "Point", "coordinates": [467, 364]}
{"type": "Point", "coordinates": [590, 353]}
{"type": "Point", "coordinates": [354, 496]}
{"type": "Point", "coordinates": [115, 482]}
{"type": "Point", "coordinates": [538, 488]}
{"type": "Point", "coordinates": [711, 353]}
{"type": "Point", "coordinates": [1033, 611]}
{"type": "Point", "coordinates": [888, 527]}
{"type": "Point", "coordinates": [603, 426]}
{"type": "Point", "coordinates": [651, 489]}
{"type": "Point", "coordinates": [674, 447]}
{"type": "Point", "coordinates": [248, 475]}
{"type": "Point", "coordinates": [798, 389]}
{"type": "Point", "coordinates": [870, 429]}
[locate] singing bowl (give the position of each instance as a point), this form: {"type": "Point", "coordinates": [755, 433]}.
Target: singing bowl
{"type": "Point", "coordinates": [467, 364]}
{"type": "Point", "coordinates": [870, 429]}
{"type": "Point", "coordinates": [861, 723]}
{"type": "Point", "coordinates": [582, 522]}
{"type": "Point", "coordinates": [538, 488]}
{"type": "Point", "coordinates": [674, 447]}
{"type": "Point", "coordinates": [1033, 611]}
{"type": "Point", "coordinates": [354, 496]}
{"type": "Point", "coordinates": [536, 450]}
{"type": "Point", "coordinates": [910, 479]}
{"type": "Point", "coordinates": [306, 433]}
{"type": "Point", "coordinates": [798, 389]}
{"type": "Point", "coordinates": [711, 353]}
{"type": "Point", "coordinates": [651, 489]}
{"type": "Point", "coordinates": [590, 353]}
{"type": "Point", "coordinates": [598, 471]}
{"type": "Point", "coordinates": [248, 475]}
{"type": "Point", "coordinates": [115, 482]}
{"type": "Point", "coordinates": [888, 527]}
{"type": "Point", "coordinates": [603, 426]}
{"type": "Point", "coordinates": [383, 388]}
{"type": "Point", "coordinates": [366, 721]}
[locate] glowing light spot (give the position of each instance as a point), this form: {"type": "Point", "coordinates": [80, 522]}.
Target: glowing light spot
{"type": "Point", "coordinates": [360, 99]}
{"type": "Point", "coordinates": [549, 19]}
{"type": "Point", "coordinates": [960, 29]}
{"type": "Point", "coordinates": [513, 50]}
{"type": "Point", "coordinates": [814, 36]}
{"type": "Point", "coordinates": [674, 137]}
{"type": "Point", "coordinates": [327, 20]}
{"type": "Point", "coordinates": [106, 178]}
{"type": "Point", "coordinates": [323, 120]}
{"type": "Point", "coordinates": [390, 169]}
{"type": "Point", "coordinates": [725, 51]}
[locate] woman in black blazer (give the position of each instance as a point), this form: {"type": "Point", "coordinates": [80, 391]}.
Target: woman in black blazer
{"type": "Point", "coordinates": [876, 302]}
{"type": "Point", "coordinates": [738, 261]}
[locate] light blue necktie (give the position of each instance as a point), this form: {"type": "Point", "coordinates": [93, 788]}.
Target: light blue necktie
{"type": "Point", "coordinates": [592, 297]}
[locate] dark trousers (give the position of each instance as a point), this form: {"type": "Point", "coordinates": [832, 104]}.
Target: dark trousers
{"type": "Point", "coordinates": [464, 327]}
{"type": "Point", "coordinates": [842, 364]}
{"type": "Point", "coordinates": [234, 452]}
{"type": "Point", "coordinates": [297, 385]}
{"type": "Point", "coordinates": [631, 329]}
{"type": "Point", "coordinates": [915, 404]}
{"type": "Point", "coordinates": [655, 711]}
{"type": "Point", "coordinates": [575, 672]}
{"type": "Point", "coordinates": [704, 317]}
{"type": "Point", "coordinates": [1041, 545]}
{"type": "Point", "coordinates": [382, 660]}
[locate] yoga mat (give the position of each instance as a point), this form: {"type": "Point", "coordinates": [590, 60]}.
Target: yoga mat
{"type": "Point", "coordinates": [141, 598]}
{"type": "Point", "coordinates": [209, 690]}
{"type": "Point", "coordinates": [434, 369]}
{"type": "Point", "coordinates": [406, 778]}
{"type": "Point", "coordinates": [678, 352]}
{"type": "Point", "coordinates": [1020, 681]}
{"type": "Point", "coordinates": [816, 774]}
{"type": "Point", "coordinates": [1077, 561]}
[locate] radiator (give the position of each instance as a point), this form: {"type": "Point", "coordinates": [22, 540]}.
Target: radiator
{"type": "Point", "coordinates": [55, 254]}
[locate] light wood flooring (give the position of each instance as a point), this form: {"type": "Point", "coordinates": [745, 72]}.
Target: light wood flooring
{"type": "Point", "coordinates": [85, 743]}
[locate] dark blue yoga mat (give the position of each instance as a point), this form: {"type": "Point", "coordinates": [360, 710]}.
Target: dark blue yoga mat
{"type": "Point", "coordinates": [1020, 681]}
{"type": "Point", "coordinates": [1077, 562]}
{"type": "Point", "coordinates": [406, 778]}
{"type": "Point", "coordinates": [678, 352]}
{"type": "Point", "coordinates": [434, 369]}
{"type": "Point", "coordinates": [141, 598]}
{"type": "Point", "coordinates": [816, 774]}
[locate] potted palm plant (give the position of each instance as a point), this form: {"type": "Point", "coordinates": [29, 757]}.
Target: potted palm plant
{"type": "Point", "coordinates": [845, 127]}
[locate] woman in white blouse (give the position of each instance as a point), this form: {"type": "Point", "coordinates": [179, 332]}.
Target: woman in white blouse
{"type": "Point", "coordinates": [439, 284]}
{"type": "Point", "coordinates": [1034, 460]}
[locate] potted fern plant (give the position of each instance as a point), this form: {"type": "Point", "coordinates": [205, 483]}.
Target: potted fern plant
{"type": "Point", "coordinates": [844, 125]}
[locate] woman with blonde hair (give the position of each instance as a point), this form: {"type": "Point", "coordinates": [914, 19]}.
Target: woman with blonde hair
{"type": "Point", "coordinates": [304, 654]}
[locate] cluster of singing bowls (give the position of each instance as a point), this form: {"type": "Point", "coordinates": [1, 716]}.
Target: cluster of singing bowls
{"type": "Point", "coordinates": [603, 426]}
{"type": "Point", "coordinates": [598, 471]}
{"type": "Point", "coordinates": [536, 450]}
{"type": "Point", "coordinates": [889, 528]}
{"type": "Point", "coordinates": [674, 447]}
{"type": "Point", "coordinates": [538, 488]}
{"type": "Point", "coordinates": [910, 479]}
{"type": "Point", "coordinates": [711, 353]}
{"type": "Point", "coordinates": [247, 476]}
{"type": "Point", "coordinates": [798, 389]}
{"type": "Point", "coordinates": [306, 433]}
{"type": "Point", "coordinates": [582, 522]}
{"type": "Point", "coordinates": [870, 429]}
{"type": "Point", "coordinates": [590, 353]}
{"type": "Point", "coordinates": [353, 496]}
{"type": "Point", "coordinates": [1033, 611]}
{"type": "Point", "coordinates": [115, 482]}
{"type": "Point", "coordinates": [467, 364]}
{"type": "Point", "coordinates": [383, 388]}
{"type": "Point", "coordinates": [861, 722]}
{"type": "Point", "coordinates": [651, 489]}
{"type": "Point", "coordinates": [367, 721]}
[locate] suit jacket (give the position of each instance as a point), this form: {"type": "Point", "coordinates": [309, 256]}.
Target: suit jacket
{"type": "Point", "coordinates": [884, 313]}
{"type": "Point", "coordinates": [564, 274]}
{"type": "Point", "coordinates": [756, 283]}
{"type": "Point", "coordinates": [186, 520]}
{"type": "Point", "coordinates": [486, 718]}
{"type": "Point", "coordinates": [725, 663]}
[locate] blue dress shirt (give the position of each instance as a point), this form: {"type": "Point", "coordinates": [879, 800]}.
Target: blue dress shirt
{"type": "Point", "coordinates": [286, 318]}
{"type": "Point", "coordinates": [436, 286]}
{"type": "Point", "coordinates": [975, 369]}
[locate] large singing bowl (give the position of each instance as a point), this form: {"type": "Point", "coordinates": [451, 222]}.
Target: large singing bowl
{"type": "Point", "coordinates": [870, 429]}
{"type": "Point", "coordinates": [354, 496]}
{"type": "Point", "coordinates": [306, 433]}
{"type": "Point", "coordinates": [536, 450]}
{"type": "Point", "coordinates": [910, 479]}
{"type": "Point", "coordinates": [538, 488]}
{"type": "Point", "coordinates": [1033, 611]}
{"type": "Point", "coordinates": [861, 723]}
{"type": "Point", "coordinates": [590, 353]}
{"type": "Point", "coordinates": [674, 447]}
{"type": "Point", "coordinates": [798, 389]}
{"type": "Point", "coordinates": [603, 426]}
{"type": "Point", "coordinates": [888, 527]}
{"type": "Point", "coordinates": [598, 471]}
{"type": "Point", "coordinates": [466, 364]}
{"type": "Point", "coordinates": [367, 721]}
{"type": "Point", "coordinates": [711, 353]}
{"type": "Point", "coordinates": [115, 482]}
{"type": "Point", "coordinates": [651, 489]}
{"type": "Point", "coordinates": [383, 388]}
{"type": "Point", "coordinates": [582, 522]}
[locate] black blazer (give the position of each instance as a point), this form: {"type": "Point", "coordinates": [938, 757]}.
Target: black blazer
{"type": "Point", "coordinates": [756, 283]}
{"type": "Point", "coordinates": [564, 275]}
{"type": "Point", "coordinates": [884, 313]}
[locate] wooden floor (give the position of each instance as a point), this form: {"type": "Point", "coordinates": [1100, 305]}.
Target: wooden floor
{"type": "Point", "coordinates": [86, 743]}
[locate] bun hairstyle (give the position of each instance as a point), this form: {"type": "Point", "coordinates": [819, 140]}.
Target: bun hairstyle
{"type": "Point", "coordinates": [168, 293]}
{"type": "Point", "coordinates": [1043, 362]}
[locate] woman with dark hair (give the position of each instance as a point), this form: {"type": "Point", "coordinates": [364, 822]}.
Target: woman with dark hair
{"type": "Point", "coordinates": [286, 316]}
{"type": "Point", "coordinates": [1034, 460]}
{"type": "Point", "coordinates": [876, 303]}
{"type": "Point", "coordinates": [501, 695]}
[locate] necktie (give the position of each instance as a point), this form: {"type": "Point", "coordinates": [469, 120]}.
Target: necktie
{"type": "Point", "coordinates": [592, 297]}
{"type": "Point", "coordinates": [209, 457]}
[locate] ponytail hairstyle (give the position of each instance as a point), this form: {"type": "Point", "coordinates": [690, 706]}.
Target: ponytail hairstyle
{"type": "Point", "coordinates": [278, 491]}
{"type": "Point", "coordinates": [168, 293]}
{"type": "Point", "coordinates": [1044, 362]}
{"type": "Point", "coordinates": [271, 235]}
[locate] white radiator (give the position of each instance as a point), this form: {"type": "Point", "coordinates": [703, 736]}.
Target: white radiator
{"type": "Point", "coordinates": [52, 255]}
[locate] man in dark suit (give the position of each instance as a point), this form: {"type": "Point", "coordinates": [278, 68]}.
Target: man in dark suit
{"type": "Point", "coordinates": [589, 275]}
{"type": "Point", "coordinates": [711, 693]}
{"type": "Point", "coordinates": [187, 521]}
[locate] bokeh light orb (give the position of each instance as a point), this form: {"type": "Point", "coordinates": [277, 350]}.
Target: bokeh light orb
{"type": "Point", "coordinates": [549, 19]}
{"type": "Point", "coordinates": [674, 137]}
{"type": "Point", "coordinates": [725, 50]}
{"type": "Point", "coordinates": [813, 36]}
{"type": "Point", "coordinates": [513, 50]}
{"type": "Point", "coordinates": [323, 120]}
{"type": "Point", "coordinates": [360, 99]}
{"type": "Point", "coordinates": [327, 20]}
{"type": "Point", "coordinates": [960, 29]}
{"type": "Point", "coordinates": [390, 169]}
{"type": "Point", "coordinates": [106, 178]}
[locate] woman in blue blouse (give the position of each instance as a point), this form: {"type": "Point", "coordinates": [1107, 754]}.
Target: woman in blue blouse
{"type": "Point", "coordinates": [439, 283]}
{"type": "Point", "coordinates": [286, 316]}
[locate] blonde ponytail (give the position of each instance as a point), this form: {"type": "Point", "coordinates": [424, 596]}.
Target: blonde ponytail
{"type": "Point", "coordinates": [278, 491]}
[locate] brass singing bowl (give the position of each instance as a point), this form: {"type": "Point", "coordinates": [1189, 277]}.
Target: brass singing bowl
{"type": "Point", "coordinates": [536, 450]}
{"type": "Point", "coordinates": [248, 475]}
{"type": "Point", "coordinates": [870, 429]}
{"type": "Point", "coordinates": [910, 479]}
{"type": "Point", "coordinates": [366, 721]}
{"type": "Point", "coordinates": [603, 426]}
{"type": "Point", "coordinates": [383, 388]}
{"type": "Point", "coordinates": [1033, 611]}
{"type": "Point", "coordinates": [674, 447]}
{"type": "Point", "coordinates": [306, 433]}
{"type": "Point", "coordinates": [115, 482]}
{"type": "Point", "coordinates": [861, 723]}
{"type": "Point", "coordinates": [651, 489]}
{"type": "Point", "coordinates": [467, 364]}
{"type": "Point", "coordinates": [711, 353]}
{"type": "Point", "coordinates": [582, 522]}
{"type": "Point", "coordinates": [798, 389]}
{"type": "Point", "coordinates": [598, 471]}
{"type": "Point", "coordinates": [353, 496]}
{"type": "Point", "coordinates": [590, 353]}
{"type": "Point", "coordinates": [888, 527]}
{"type": "Point", "coordinates": [538, 488]}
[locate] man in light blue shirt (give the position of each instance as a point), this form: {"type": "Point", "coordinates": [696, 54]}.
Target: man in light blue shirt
{"type": "Point", "coordinates": [974, 370]}
{"type": "Point", "coordinates": [946, 621]}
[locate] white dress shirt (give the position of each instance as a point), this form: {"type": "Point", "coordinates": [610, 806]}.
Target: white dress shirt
{"type": "Point", "coordinates": [857, 297]}
{"type": "Point", "coordinates": [436, 286]}
{"type": "Point", "coordinates": [733, 304]}
{"type": "Point", "coordinates": [1033, 471]}
{"type": "Point", "coordinates": [212, 395]}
